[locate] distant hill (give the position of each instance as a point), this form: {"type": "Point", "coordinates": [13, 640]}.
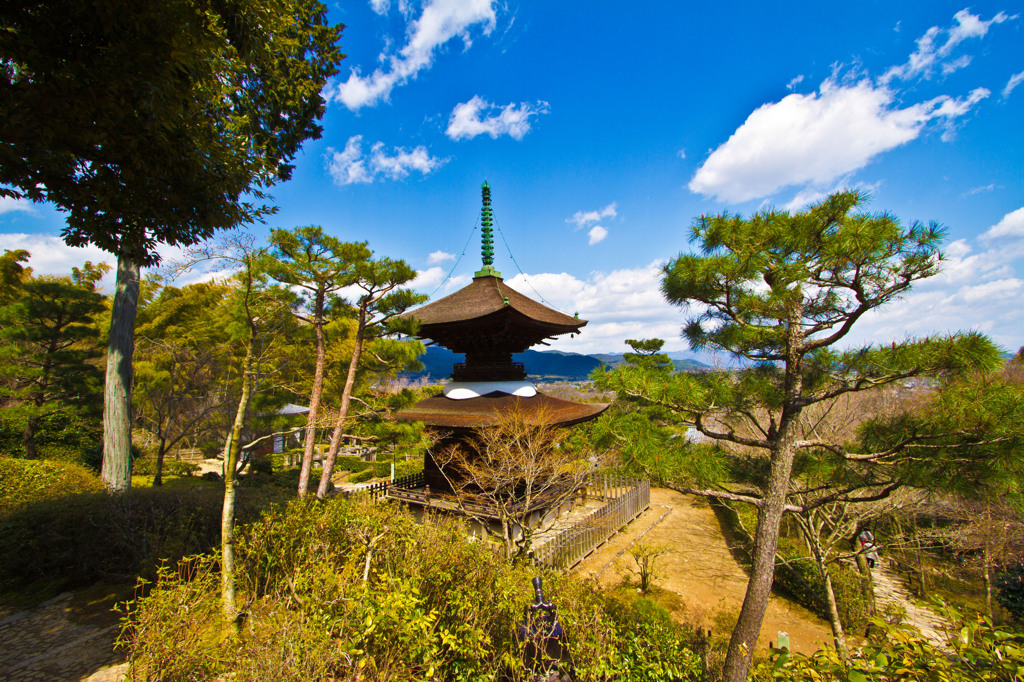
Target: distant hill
{"type": "Point", "coordinates": [551, 364]}
{"type": "Point", "coordinates": [682, 364]}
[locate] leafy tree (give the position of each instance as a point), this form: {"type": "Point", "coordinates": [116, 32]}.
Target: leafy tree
{"type": "Point", "coordinates": [12, 274]}
{"type": "Point", "coordinates": [256, 312]}
{"type": "Point", "coordinates": [647, 353]}
{"type": "Point", "coordinates": [381, 301]}
{"type": "Point", "coordinates": [321, 265]}
{"type": "Point", "coordinates": [179, 365]}
{"type": "Point", "coordinates": [49, 347]}
{"type": "Point", "coordinates": [155, 122]}
{"type": "Point", "coordinates": [780, 291]}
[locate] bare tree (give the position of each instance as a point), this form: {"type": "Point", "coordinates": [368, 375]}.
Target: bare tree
{"type": "Point", "coordinates": [510, 473]}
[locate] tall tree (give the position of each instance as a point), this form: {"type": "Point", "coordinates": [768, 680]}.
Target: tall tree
{"type": "Point", "coordinates": [321, 265]}
{"type": "Point", "coordinates": [179, 367]}
{"type": "Point", "coordinates": [50, 348]}
{"type": "Point", "coordinates": [380, 302]}
{"type": "Point", "coordinates": [780, 291]}
{"type": "Point", "coordinates": [155, 122]}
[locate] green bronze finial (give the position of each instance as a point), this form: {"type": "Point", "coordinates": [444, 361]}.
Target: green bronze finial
{"type": "Point", "coordinates": [487, 235]}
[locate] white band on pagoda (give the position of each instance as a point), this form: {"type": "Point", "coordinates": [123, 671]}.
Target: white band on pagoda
{"type": "Point", "coordinates": [464, 390]}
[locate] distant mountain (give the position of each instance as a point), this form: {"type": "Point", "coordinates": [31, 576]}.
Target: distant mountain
{"type": "Point", "coordinates": [550, 364]}
{"type": "Point", "coordinates": [679, 359]}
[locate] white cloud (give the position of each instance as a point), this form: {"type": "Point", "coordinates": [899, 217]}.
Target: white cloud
{"type": "Point", "coordinates": [438, 257]}
{"type": "Point", "coordinates": [480, 117]}
{"type": "Point", "coordinates": [350, 166]}
{"type": "Point", "coordinates": [596, 234]}
{"type": "Point", "coordinates": [1014, 81]}
{"type": "Point", "coordinates": [795, 82]}
{"type": "Point", "coordinates": [618, 305]}
{"type": "Point", "coordinates": [1010, 227]}
{"type": "Point", "coordinates": [380, 6]}
{"type": "Point", "coordinates": [930, 53]}
{"type": "Point", "coordinates": [978, 190]}
{"type": "Point", "coordinates": [441, 21]}
{"type": "Point", "coordinates": [682, 153]}
{"type": "Point", "coordinates": [11, 205]}
{"type": "Point", "coordinates": [584, 218]}
{"type": "Point", "coordinates": [51, 256]}
{"type": "Point", "coordinates": [814, 139]}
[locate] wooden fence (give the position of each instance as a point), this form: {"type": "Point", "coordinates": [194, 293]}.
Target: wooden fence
{"type": "Point", "coordinates": [377, 491]}
{"type": "Point", "coordinates": [627, 499]}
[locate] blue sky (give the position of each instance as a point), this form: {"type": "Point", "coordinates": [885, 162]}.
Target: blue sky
{"type": "Point", "coordinates": [604, 129]}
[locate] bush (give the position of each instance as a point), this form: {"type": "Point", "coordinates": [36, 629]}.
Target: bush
{"type": "Point", "coordinates": [435, 607]}
{"type": "Point", "coordinates": [146, 466]}
{"type": "Point", "coordinates": [977, 651]}
{"type": "Point", "coordinates": [362, 476]}
{"type": "Point", "coordinates": [1010, 591]}
{"type": "Point", "coordinates": [69, 541]}
{"type": "Point", "coordinates": [25, 481]}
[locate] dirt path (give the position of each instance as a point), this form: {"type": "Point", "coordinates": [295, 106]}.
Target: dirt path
{"type": "Point", "coordinates": [701, 571]}
{"type": "Point", "coordinates": [59, 640]}
{"type": "Point", "coordinates": [892, 594]}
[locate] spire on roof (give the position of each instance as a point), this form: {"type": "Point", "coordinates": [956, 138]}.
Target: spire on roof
{"type": "Point", "coordinates": [486, 235]}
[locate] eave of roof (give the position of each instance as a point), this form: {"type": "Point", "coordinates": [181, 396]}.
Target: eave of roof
{"type": "Point", "coordinates": [485, 296]}
{"type": "Point", "coordinates": [486, 410]}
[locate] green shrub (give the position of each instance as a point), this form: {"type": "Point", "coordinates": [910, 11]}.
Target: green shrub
{"type": "Point", "coordinates": [361, 476]}
{"type": "Point", "coordinates": [146, 466]}
{"type": "Point", "coordinates": [435, 607]}
{"type": "Point", "coordinates": [73, 540]}
{"type": "Point", "coordinates": [978, 650]}
{"type": "Point", "coordinates": [25, 481]}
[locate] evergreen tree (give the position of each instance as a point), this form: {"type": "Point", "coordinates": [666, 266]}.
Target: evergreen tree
{"type": "Point", "coordinates": [49, 346]}
{"type": "Point", "coordinates": [321, 265]}
{"type": "Point", "coordinates": [781, 292]}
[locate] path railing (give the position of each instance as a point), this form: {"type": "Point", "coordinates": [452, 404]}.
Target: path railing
{"type": "Point", "coordinates": [376, 491]}
{"type": "Point", "coordinates": [627, 499]}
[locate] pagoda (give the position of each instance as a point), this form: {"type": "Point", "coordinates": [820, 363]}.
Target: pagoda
{"type": "Point", "coordinates": [488, 322]}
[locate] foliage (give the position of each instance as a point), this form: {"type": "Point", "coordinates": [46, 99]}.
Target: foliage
{"type": "Point", "coordinates": [980, 651]}
{"type": "Point", "coordinates": [779, 291]}
{"type": "Point", "coordinates": [147, 466]}
{"type": "Point", "coordinates": [67, 539]}
{"type": "Point", "coordinates": [1010, 591]}
{"type": "Point", "coordinates": [25, 482]}
{"type": "Point", "coordinates": [433, 606]}
{"type": "Point", "coordinates": [169, 112]}
{"type": "Point", "coordinates": [48, 344]}
{"type": "Point", "coordinates": [645, 556]}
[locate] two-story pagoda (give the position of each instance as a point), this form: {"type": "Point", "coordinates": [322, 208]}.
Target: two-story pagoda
{"type": "Point", "coordinates": [488, 321]}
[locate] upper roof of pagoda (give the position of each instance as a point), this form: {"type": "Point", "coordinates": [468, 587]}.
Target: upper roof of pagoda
{"type": "Point", "coordinates": [488, 295]}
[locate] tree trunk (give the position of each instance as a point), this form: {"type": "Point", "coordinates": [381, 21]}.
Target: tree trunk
{"type": "Point", "coordinates": [762, 570]}
{"type": "Point", "coordinates": [227, 519]}
{"type": "Point", "coordinates": [117, 395]}
{"type": "Point", "coordinates": [158, 476]}
{"type": "Point", "coordinates": [769, 516]}
{"type": "Point", "coordinates": [987, 559]}
{"type": "Point", "coordinates": [28, 438]}
{"type": "Point", "coordinates": [314, 398]}
{"type": "Point", "coordinates": [814, 540]}
{"type": "Point", "coordinates": [867, 581]}
{"type": "Point", "coordinates": [346, 400]}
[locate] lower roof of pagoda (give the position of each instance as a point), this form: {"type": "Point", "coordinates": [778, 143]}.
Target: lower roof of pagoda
{"type": "Point", "coordinates": [486, 410]}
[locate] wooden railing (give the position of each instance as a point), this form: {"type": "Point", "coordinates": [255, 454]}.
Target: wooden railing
{"type": "Point", "coordinates": [628, 498]}
{"type": "Point", "coordinates": [377, 491]}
